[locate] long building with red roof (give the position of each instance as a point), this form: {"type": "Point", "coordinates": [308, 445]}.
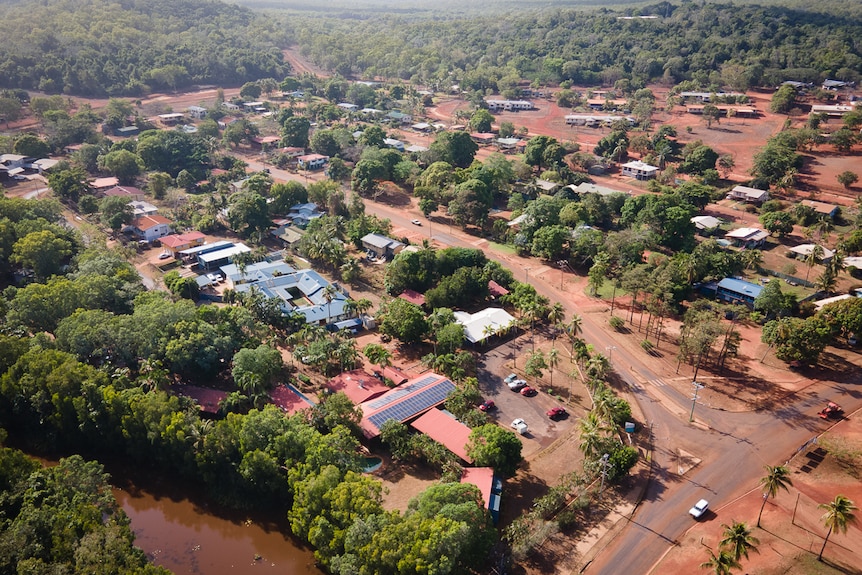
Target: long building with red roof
{"type": "Point", "coordinates": [405, 402]}
{"type": "Point", "coordinates": [443, 428]}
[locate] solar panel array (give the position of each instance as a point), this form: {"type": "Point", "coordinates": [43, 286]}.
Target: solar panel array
{"type": "Point", "coordinates": [400, 392]}
{"type": "Point", "coordinates": [411, 406]}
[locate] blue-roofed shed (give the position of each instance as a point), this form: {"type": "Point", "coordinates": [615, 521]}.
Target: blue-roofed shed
{"type": "Point", "coordinates": [736, 290]}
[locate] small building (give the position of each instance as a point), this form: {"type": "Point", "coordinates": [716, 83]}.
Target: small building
{"type": "Point", "coordinates": [832, 110]}
{"type": "Point", "coordinates": [179, 242]}
{"type": "Point", "coordinates": [545, 186]}
{"type": "Point", "coordinates": [347, 106]}
{"type": "Point", "coordinates": [822, 208]}
{"type": "Point", "coordinates": [381, 246]}
{"type": "Point", "coordinates": [442, 427]}
{"type": "Point", "coordinates": [495, 290]}
{"type": "Point", "coordinates": [130, 193]}
{"type": "Point", "coordinates": [587, 188]}
{"type": "Point", "coordinates": [289, 399]}
{"type": "Point", "coordinates": [415, 149]}
{"type": "Point", "coordinates": [508, 144]}
{"type": "Point", "coordinates": [302, 214]}
{"type": "Point", "coordinates": [422, 127]}
{"type": "Point", "coordinates": [803, 251]}
{"type": "Point", "coordinates": [312, 161]}
{"type": "Point", "coordinates": [264, 142]}
{"type": "Point", "coordinates": [371, 112]}
{"type": "Point", "coordinates": [104, 184]}
{"type": "Point", "coordinates": [747, 238]}
{"type": "Point", "coordinates": [151, 227]}
{"type": "Point", "coordinates": [639, 170]}
{"type": "Point", "coordinates": [12, 160]}
{"type": "Point", "coordinates": [171, 119]}
{"type": "Point", "coordinates": [705, 223]}
{"type": "Point", "coordinates": [358, 385]}
{"type": "Point", "coordinates": [483, 324]}
{"type": "Point", "coordinates": [734, 290]}
{"type": "Point", "coordinates": [197, 112]}
{"type": "Point", "coordinates": [394, 144]}
{"type": "Point", "coordinates": [289, 236]}
{"type": "Point", "coordinates": [413, 297]}
{"type": "Point", "coordinates": [509, 105]}
{"type": "Point", "coordinates": [143, 209]}
{"type": "Point", "coordinates": [127, 131]}
{"type": "Point", "coordinates": [749, 195]}
{"type": "Point", "coordinates": [211, 260]}
{"type": "Point", "coordinates": [208, 400]}
{"type": "Point", "coordinates": [483, 138]}
{"type": "Point", "coordinates": [834, 85]}
{"type": "Point", "coordinates": [819, 304]}
{"type": "Point", "coordinates": [490, 486]}
{"type": "Point", "coordinates": [44, 165]}
{"type": "Point", "coordinates": [400, 117]}
{"type": "Point", "coordinates": [292, 151]}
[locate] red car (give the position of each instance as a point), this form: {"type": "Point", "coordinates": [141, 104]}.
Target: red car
{"type": "Point", "coordinates": [487, 406]}
{"type": "Point", "coordinates": [557, 413]}
{"type": "Point", "coordinates": [528, 391]}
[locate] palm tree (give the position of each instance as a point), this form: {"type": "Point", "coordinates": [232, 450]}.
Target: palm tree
{"type": "Point", "coordinates": [752, 258]}
{"type": "Point", "coordinates": [556, 315]}
{"type": "Point", "coordinates": [738, 539]}
{"type": "Point", "coordinates": [329, 294]}
{"type": "Point", "coordinates": [591, 434]}
{"type": "Point", "coordinates": [814, 256]}
{"type": "Point", "coordinates": [377, 354]}
{"type": "Point", "coordinates": [362, 305]}
{"type": "Point", "coordinates": [839, 514]}
{"type": "Point", "coordinates": [777, 477]}
{"type": "Point", "coordinates": [552, 359]}
{"type": "Point", "coordinates": [826, 281]}
{"type": "Point", "coordinates": [721, 564]}
{"type": "Point", "coordinates": [573, 330]}
{"type": "Point", "coordinates": [822, 226]}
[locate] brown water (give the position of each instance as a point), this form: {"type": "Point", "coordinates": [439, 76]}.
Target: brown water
{"type": "Point", "coordinates": [179, 535]}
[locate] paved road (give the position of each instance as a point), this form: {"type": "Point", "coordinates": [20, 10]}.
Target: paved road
{"type": "Point", "coordinates": [723, 454]}
{"type": "Point", "coordinates": [731, 449]}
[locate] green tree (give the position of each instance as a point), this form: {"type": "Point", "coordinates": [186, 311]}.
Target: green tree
{"type": "Point", "coordinates": [778, 223]}
{"type": "Point", "coordinates": [738, 539]}
{"type": "Point", "coordinates": [115, 212]}
{"type": "Point", "coordinates": [783, 100]}
{"type": "Point", "coordinates": [123, 164]}
{"type": "Point", "coordinates": [43, 252]}
{"type": "Point", "coordinates": [377, 354]}
{"type": "Point", "coordinates": [404, 321]}
{"type": "Point", "coordinates": [159, 182]}
{"type": "Point", "coordinates": [847, 179]}
{"type": "Point", "coordinates": [795, 339]}
{"type": "Point", "coordinates": [491, 445]}
{"type": "Point", "coordinates": [294, 132]}
{"type": "Point", "coordinates": [839, 514]}
{"type": "Point", "coordinates": [248, 213]}
{"type": "Point", "coordinates": [456, 148]}
{"type": "Point", "coordinates": [777, 478]}
{"type": "Point", "coordinates": [481, 121]}
{"type": "Point", "coordinates": [32, 146]}
{"type": "Point", "coordinates": [721, 564]}
{"type": "Point", "coordinates": [69, 184]}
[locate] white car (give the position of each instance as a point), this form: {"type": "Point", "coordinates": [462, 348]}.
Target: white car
{"type": "Point", "coordinates": [165, 255]}
{"type": "Point", "coordinates": [699, 509]}
{"type": "Point", "coordinates": [520, 426]}
{"type": "Point", "coordinates": [416, 222]}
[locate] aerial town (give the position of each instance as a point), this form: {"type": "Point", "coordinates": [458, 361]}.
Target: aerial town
{"type": "Point", "coordinates": [374, 290]}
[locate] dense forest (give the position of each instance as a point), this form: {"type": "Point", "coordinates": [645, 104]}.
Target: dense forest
{"type": "Point", "coordinates": [729, 44]}
{"type": "Point", "coordinates": [129, 47]}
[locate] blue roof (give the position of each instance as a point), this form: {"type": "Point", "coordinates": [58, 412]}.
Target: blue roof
{"type": "Point", "coordinates": [741, 287]}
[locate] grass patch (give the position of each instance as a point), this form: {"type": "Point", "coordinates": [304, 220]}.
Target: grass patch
{"type": "Point", "coordinates": [502, 248]}
{"type": "Point", "coordinates": [804, 564]}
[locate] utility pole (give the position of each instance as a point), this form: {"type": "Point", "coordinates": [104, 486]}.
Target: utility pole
{"type": "Point", "coordinates": [697, 387]}
{"type": "Point", "coordinates": [605, 458]}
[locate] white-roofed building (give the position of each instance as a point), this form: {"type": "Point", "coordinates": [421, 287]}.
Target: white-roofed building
{"type": "Point", "coordinates": [382, 246]}
{"type": "Point", "coordinates": [705, 222]}
{"type": "Point", "coordinates": [639, 170]}
{"type": "Point", "coordinates": [824, 302]}
{"type": "Point", "coordinates": [483, 324]}
{"type": "Point", "coordinates": [746, 194]}
{"type": "Point", "coordinates": [747, 237]}
{"type": "Point", "coordinates": [804, 250]}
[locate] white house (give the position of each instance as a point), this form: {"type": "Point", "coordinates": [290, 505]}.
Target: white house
{"type": "Point", "coordinates": [151, 227]}
{"type": "Point", "coordinates": [747, 237]}
{"type": "Point", "coordinates": [483, 324]}
{"type": "Point", "coordinates": [312, 161]}
{"type": "Point", "coordinates": [197, 112]}
{"type": "Point", "coordinates": [394, 144]}
{"type": "Point", "coordinates": [639, 170]}
{"type": "Point", "coordinates": [509, 105]}
{"type": "Point", "coordinates": [381, 245]}
{"type": "Point", "coordinates": [746, 194]}
{"type": "Point", "coordinates": [705, 222]}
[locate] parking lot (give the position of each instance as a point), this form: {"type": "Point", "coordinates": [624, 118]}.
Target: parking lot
{"type": "Point", "coordinates": [494, 367]}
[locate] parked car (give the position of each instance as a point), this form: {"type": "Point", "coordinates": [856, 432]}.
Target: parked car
{"type": "Point", "coordinates": [488, 406]}
{"type": "Point", "coordinates": [699, 509]}
{"type": "Point", "coordinates": [520, 426]}
{"type": "Point", "coordinates": [416, 222]}
{"type": "Point", "coordinates": [556, 413]}
{"type": "Point", "coordinates": [528, 391]}
{"type": "Point", "coordinates": [165, 255]}
{"type": "Point", "coordinates": [510, 378]}
{"type": "Point", "coordinates": [517, 385]}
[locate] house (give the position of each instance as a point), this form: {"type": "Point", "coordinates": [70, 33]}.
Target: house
{"type": "Point", "coordinates": [179, 242]}
{"type": "Point", "coordinates": [104, 184]}
{"type": "Point", "coordinates": [12, 160]}
{"type": "Point", "coordinates": [381, 246]}
{"type": "Point", "coordinates": [371, 111]}
{"type": "Point", "coordinates": [171, 119]}
{"type": "Point", "coordinates": [750, 195]}
{"type": "Point", "coordinates": [289, 399]}
{"type": "Point", "coordinates": [143, 208]}
{"type": "Point", "coordinates": [257, 272]}
{"type": "Point", "coordinates": [803, 251]}
{"type": "Point", "coordinates": [483, 138]}
{"type": "Point", "coordinates": [415, 149]}
{"type": "Point", "coordinates": [252, 106]}
{"type": "Point", "coordinates": [127, 131]}
{"type": "Point", "coordinates": [303, 292]}
{"type": "Point", "coordinates": [312, 161]}
{"type": "Point", "coordinates": [151, 228]}
{"type": "Point", "coordinates": [399, 117]}
{"type": "Point", "coordinates": [705, 223]}
{"type": "Point", "coordinates": [422, 127]}
{"type": "Point", "coordinates": [639, 170]}
{"type": "Point", "coordinates": [507, 144]}
{"type": "Point", "coordinates": [358, 385]}
{"type": "Point", "coordinates": [606, 104]}
{"type": "Point", "coordinates": [587, 188]}
{"type": "Point", "coordinates": [131, 193]}
{"type": "Point", "coordinates": [483, 324]}
{"type": "Point", "coordinates": [832, 110]}
{"type": "Point", "coordinates": [348, 106]}
{"type": "Point", "coordinates": [289, 236]}
{"type": "Point", "coordinates": [197, 112]}
{"type": "Point", "coordinates": [822, 208]}
{"type": "Point", "coordinates": [394, 144]}
{"type": "Point", "coordinates": [708, 96]}
{"type": "Point", "coordinates": [212, 260]}
{"type": "Point", "coordinates": [546, 187]}
{"type": "Point", "coordinates": [405, 402]}
{"type": "Point", "coordinates": [734, 290]}
{"type": "Point", "coordinates": [302, 214]}
{"type": "Point", "coordinates": [413, 297]}
{"type": "Point", "coordinates": [747, 238]}
{"type": "Point", "coordinates": [43, 165]}
{"type": "Point", "coordinates": [509, 105]}
{"type": "Point", "coordinates": [262, 142]}
{"type": "Point", "coordinates": [230, 106]}
{"type": "Point", "coordinates": [292, 151]}
{"type": "Point", "coordinates": [819, 304]}
{"type": "Point", "coordinates": [442, 427]}
{"type": "Point", "coordinates": [834, 85]}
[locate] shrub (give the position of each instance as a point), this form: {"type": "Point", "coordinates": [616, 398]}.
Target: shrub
{"type": "Point", "coordinates": [616, 322]}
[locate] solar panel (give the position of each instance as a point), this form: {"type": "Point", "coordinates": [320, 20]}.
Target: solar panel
{"type": "Point", "coordinates": [400, 392]}
{"type": "Point", "coordinates": [413, 405]}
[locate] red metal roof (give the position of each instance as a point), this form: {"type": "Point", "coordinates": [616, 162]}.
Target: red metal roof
{"type": "Point", "coordinates": [404, 402]}
{"type": "Point", "coordinates": [496, 289]}
{"type": "Point", "coordinates": [393, 374]}
{"type": "Point", "coordinates": [446, 430]}
{"type": "Point", "coordinates": [147, 222]}
{"type": "Point", "coordinates": [288, 400]}
{"type": "Point", "coordinates": [481, 477]}
{"type": "Point", "coordinates": [124, 191]}
{"type": "Point", "coordinates": [358, 385]}
{"type": "Point", "coordinates": [413, 297]}
{"type": "Point", "coordinates": [179, 240]}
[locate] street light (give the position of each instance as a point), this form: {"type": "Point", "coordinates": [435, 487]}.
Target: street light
{"type": "Point", "coordinates": [605, 458]}
{"type": "Point", "coordinates": [697, 387]}
{"type": "Point", "coordinates": [610, 349]}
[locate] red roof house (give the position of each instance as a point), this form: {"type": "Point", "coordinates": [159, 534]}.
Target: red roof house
{"type": "Point", "coordinates": [413, 297]}
{"type": "Point", "coordinates": [446, 430]}
{"type": "Point", "coordinates": [131, 193]}
{"type": "Point", "coordinates": [208, 400]}
{"type": "Point", "coordinates": [358, 385]}
{"type": "Point", "coordinates": [289, 400]}
{"type": "Point", "coordinates": [179, 242]}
